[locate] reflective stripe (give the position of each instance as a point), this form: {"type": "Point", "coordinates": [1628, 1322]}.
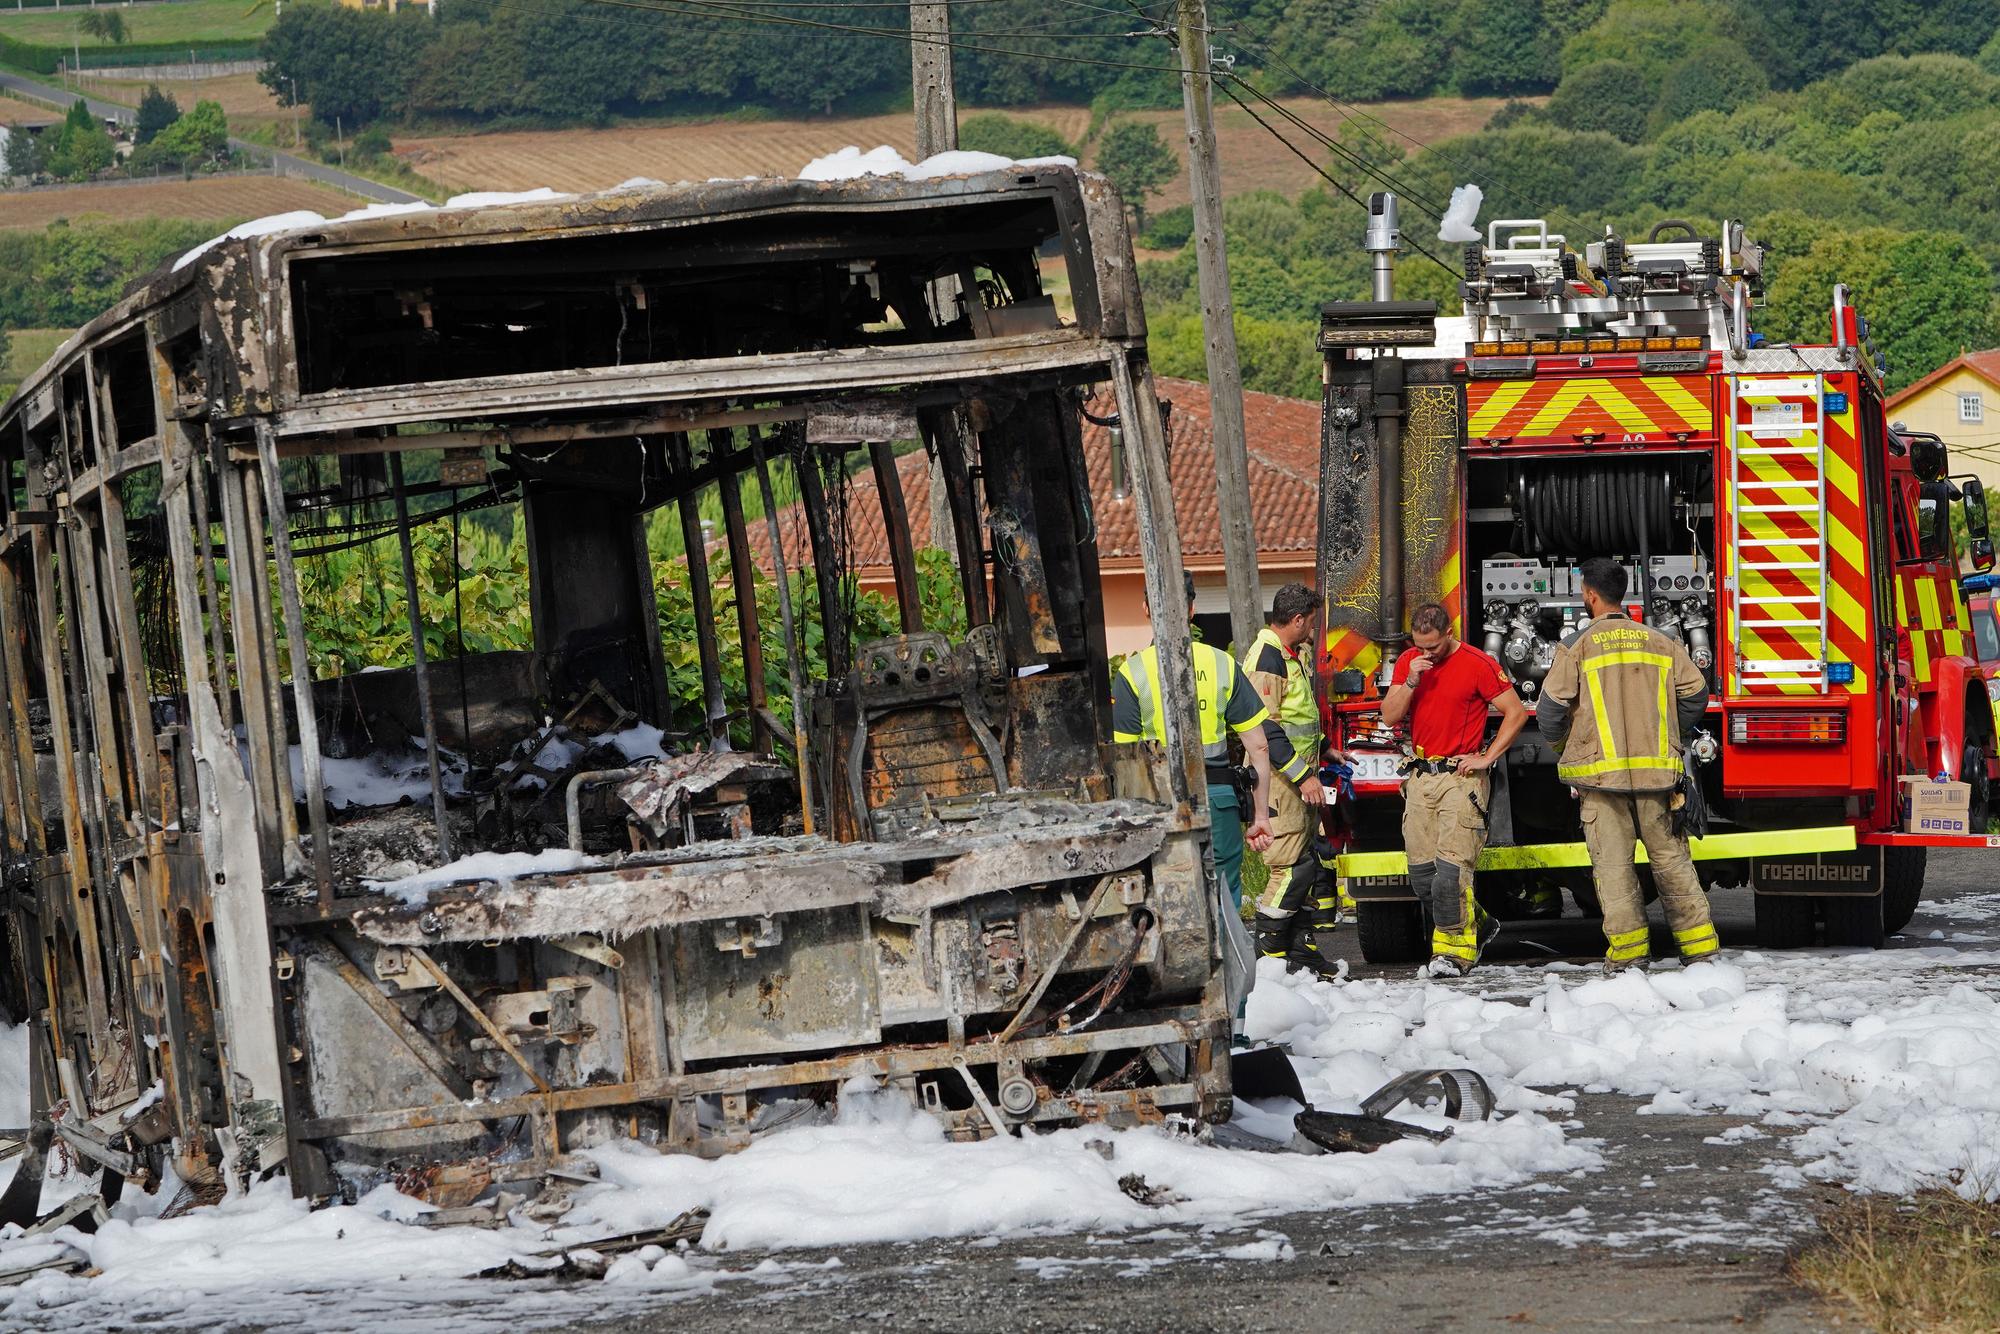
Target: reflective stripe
{"type": "Point", "coordinates": [1214, 673]}
{"type": "Point", "coordinates": [1758, 843]}
{"type": "Point", "coordinates": [1628, 945]}
{"type": "Point", "coordinates": [1298, 711]}
{"type": "Point", "coordinates": [1664, 667]}
{"type": "Point", "coordinates": [1697, 940]}
{"type": "Point", "coordinates": [1457, 944]}
{"type": "Point", "coordinates": [1665, 763]}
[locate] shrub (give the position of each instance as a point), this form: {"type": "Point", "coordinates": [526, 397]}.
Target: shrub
{"type": "Point", "coordinates": [1012, 137]}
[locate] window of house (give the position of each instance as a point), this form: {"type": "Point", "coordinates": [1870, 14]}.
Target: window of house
{"type": "Point", "coordinates": [1971, 408]}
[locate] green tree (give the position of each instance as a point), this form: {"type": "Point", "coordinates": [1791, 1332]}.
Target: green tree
{"type": "Point", "coordinates": [1011, 137]}
{"type": "Point", "coordinates": [157, 110]}
{"type": "Point", "coordinates": [1599, 96]}
{"type": "Point", "coordinates": [1502, 46]}
{"type": "Point", "coordinates": [1652, 36]}
{"type": "Point", "coordinates": [198, 139]}
{"type": "Point", "coordinates": [1927, 296]}
{"type": "Point", "coordinates": [81, 147]}
{"type": "Point", "coordinates": [1138, 163]}
{"type": "Point", "coordinates": [351, 65]}
{"type": "Point", "coordinates": [106, 25]}
{"type": "Point", "coordinates": [23, 157]}
{"type": "Point", "coordinates": [1717, 75]}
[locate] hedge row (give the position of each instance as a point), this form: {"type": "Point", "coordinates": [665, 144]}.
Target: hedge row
{"type": "Point", "coordinates": [39, 59]}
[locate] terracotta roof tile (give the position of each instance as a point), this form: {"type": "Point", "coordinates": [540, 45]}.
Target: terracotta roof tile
{"type": "Point", "coordinates": [1283, 439]}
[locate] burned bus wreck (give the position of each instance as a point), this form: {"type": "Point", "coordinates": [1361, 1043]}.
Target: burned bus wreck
{"type": "Point", "coordinates": [449, 919]}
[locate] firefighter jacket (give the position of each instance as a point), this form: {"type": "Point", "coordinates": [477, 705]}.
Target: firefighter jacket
{"type": "Point", "coordinates": [1294, 732]}
{"type": "Point", "coordinates": [1615, 705]}
{"type": "Point", "coordinates": [1223, 699]}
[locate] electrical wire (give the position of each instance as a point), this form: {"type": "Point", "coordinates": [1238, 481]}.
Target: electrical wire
{"type": "Point", "coordinates": [1298, 153]}
{"type": "Point", "coordinates": [1403, 189]}
{"type": "Point", "coordinates": [1493, 184]}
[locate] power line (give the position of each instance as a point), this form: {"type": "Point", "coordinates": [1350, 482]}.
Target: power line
{"type": "Point", "coordinates": [1345, 153]}
{"type": "Point", "coordinates": [1298, 153]}
{"type": "Point", "coordinates": [1358, 113]}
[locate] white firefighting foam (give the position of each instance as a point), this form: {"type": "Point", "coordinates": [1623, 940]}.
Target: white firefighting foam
{"type": "Point", "coordinates": [1879, 1070]}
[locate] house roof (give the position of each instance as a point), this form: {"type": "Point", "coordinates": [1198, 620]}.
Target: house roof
{"type": "Point", "coordinates": [1986, 365]}
{"type": "Point", "coordinates": [1283, 443]}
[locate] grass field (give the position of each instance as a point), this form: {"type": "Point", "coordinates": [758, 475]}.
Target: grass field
{"type": "Point", "coordinates": [598, 159]}
{"type": "Point", "coordinates": [15, 111]}
{"type": "Point", "coordinates": [243, 99]}
{"type": "Point", "coordinates": [208, 199]}
{"type": "Point", "coordinates": [160, 21]}
{"type": "Point", "coordinates": [26, 350]}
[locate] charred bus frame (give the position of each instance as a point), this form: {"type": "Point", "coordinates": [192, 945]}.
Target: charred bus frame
{"type": "Point", "coordinates": [981, 900]}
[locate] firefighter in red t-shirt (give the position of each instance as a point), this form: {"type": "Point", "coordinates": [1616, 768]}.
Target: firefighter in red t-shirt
{"type": "Point", "coordinates": [1443, 687]}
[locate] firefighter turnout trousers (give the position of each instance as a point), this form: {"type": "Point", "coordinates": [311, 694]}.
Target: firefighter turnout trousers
{"type": "Point", "coordinates": [1612, 823]}
{"type": "Point", "coordinates": [1297, 882]}
{"type": "Point", "coordinates": [1444, 831]}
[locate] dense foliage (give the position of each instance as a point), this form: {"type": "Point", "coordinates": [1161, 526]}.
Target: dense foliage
{"type": "Point", "coordinates": [1884, 175]}
{"type": "Point", "coordinates": [572, 61]}
{"type": "Point", "coordinates": [67, 274]}
{"type": "Point", "coordinates": [356, 617]}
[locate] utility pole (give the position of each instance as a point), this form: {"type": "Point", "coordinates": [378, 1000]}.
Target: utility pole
{"type": "Point", "coordinates": [1218, 317]}
{"type": "Point", "coordinates": [930, 77]}
{"type": "Point", "coordinates": [936, 103]}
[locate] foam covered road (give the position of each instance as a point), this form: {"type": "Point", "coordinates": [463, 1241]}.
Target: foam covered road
{"type": "Point", "coordinates": [1667, 1138]}
{"type": "Point", "coordinates": [1685, 1225]}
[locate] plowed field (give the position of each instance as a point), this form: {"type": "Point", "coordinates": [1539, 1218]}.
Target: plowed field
{"type": "Point", "coordinates": [597, 159]}
{"type": "Point", "coordinates": [215, 199]}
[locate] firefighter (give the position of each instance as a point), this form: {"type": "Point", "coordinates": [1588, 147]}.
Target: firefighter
{"type": "Point", "coordinates": [1443, 687]}
{"type": "Point", "coordinates": [1276, 666]}
{"type": "Point", "coordinates": [1605, 710]}
{"type": "Point", "coordinates": [1224, 699]}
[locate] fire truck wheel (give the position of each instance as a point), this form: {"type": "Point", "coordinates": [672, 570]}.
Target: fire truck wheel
{"type": "Point", "coordinates": [1390, 932]}
{"type": "Point", "coordinates": [1902, 885]}
{"type": "Point", "coordinates": [1785, 921]}
{"type": "Point", "coordinates": [1972, 768]}
{"type": "Point", "coordinates": [1853, 920]}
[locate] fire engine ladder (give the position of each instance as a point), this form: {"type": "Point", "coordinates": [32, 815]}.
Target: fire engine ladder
{"type": "Point", "coordinates": [1777, 535]}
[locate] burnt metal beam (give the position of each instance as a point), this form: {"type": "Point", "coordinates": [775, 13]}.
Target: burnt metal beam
{"type": "Point", "coordinates": [822, 374]}
{"type": "Point", "coordinates": [420, 657]}
{"type": "Point", "coordinates": [694, 546]}
{"type": "Point", "coordinates": [896, 524]}
{"type": "Point", "coordinates": [743, 578]}
{"type": "Point", "coordinates": [794, 659]}
{"type": "Point", "coordinates": [886, 1063]}
{"type": "Point", "coordinates": [301, 660]}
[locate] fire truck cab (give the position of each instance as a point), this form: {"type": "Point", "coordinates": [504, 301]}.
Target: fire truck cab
{"type": "Point", "coordinates": [1618, 400]}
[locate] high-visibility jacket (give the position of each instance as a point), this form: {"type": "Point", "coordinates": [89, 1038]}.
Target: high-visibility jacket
{"type": "Point", "coordinates": [1224, 701]}
{"type": "Point", "coordinates": [1628, 692]}
{"type": "Point", "coordinates": [1295, 737]}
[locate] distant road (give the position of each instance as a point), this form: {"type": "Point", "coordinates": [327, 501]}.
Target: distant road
{"type": "Point", "coordinates": [287, 163]}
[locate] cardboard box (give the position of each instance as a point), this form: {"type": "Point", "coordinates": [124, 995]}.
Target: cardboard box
{"type": "Point", "coordinates": [1935, 808]}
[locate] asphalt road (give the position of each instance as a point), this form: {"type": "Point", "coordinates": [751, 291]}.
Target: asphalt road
{"type": "Point", "coordinates": [286, 163]}
{"type": "Point", "coordinates": [1681, 1234]}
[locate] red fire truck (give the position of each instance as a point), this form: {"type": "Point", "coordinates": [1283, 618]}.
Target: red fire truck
{"type": "Point", "coordinates": [1617, 400]}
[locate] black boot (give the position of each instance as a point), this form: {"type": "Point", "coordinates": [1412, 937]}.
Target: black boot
{"type": "Point", "coordinates": [1277, 938]}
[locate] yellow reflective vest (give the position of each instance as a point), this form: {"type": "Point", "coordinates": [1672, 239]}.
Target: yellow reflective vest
{"type": "Point", "coordinates": [1623, 685]}
{"type": "Point", "coordinates": [1295, 735]}
{"type": "Point", "coordinates": [1224, 701]}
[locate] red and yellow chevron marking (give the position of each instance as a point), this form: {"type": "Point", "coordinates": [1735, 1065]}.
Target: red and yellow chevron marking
{"type": "Point", "coordinates": [1792, 563]}
{"type": "Point", "coordinates": [1847, 595]}
{"type": "Point", "coordinates": [1566, 409]}
{"type": "Point", "coordinates": [1932, 608]}
{"type": "Point", "coordinates": [1451, 589]}
{"type": "Point", "coordinates": [1351, 648]}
